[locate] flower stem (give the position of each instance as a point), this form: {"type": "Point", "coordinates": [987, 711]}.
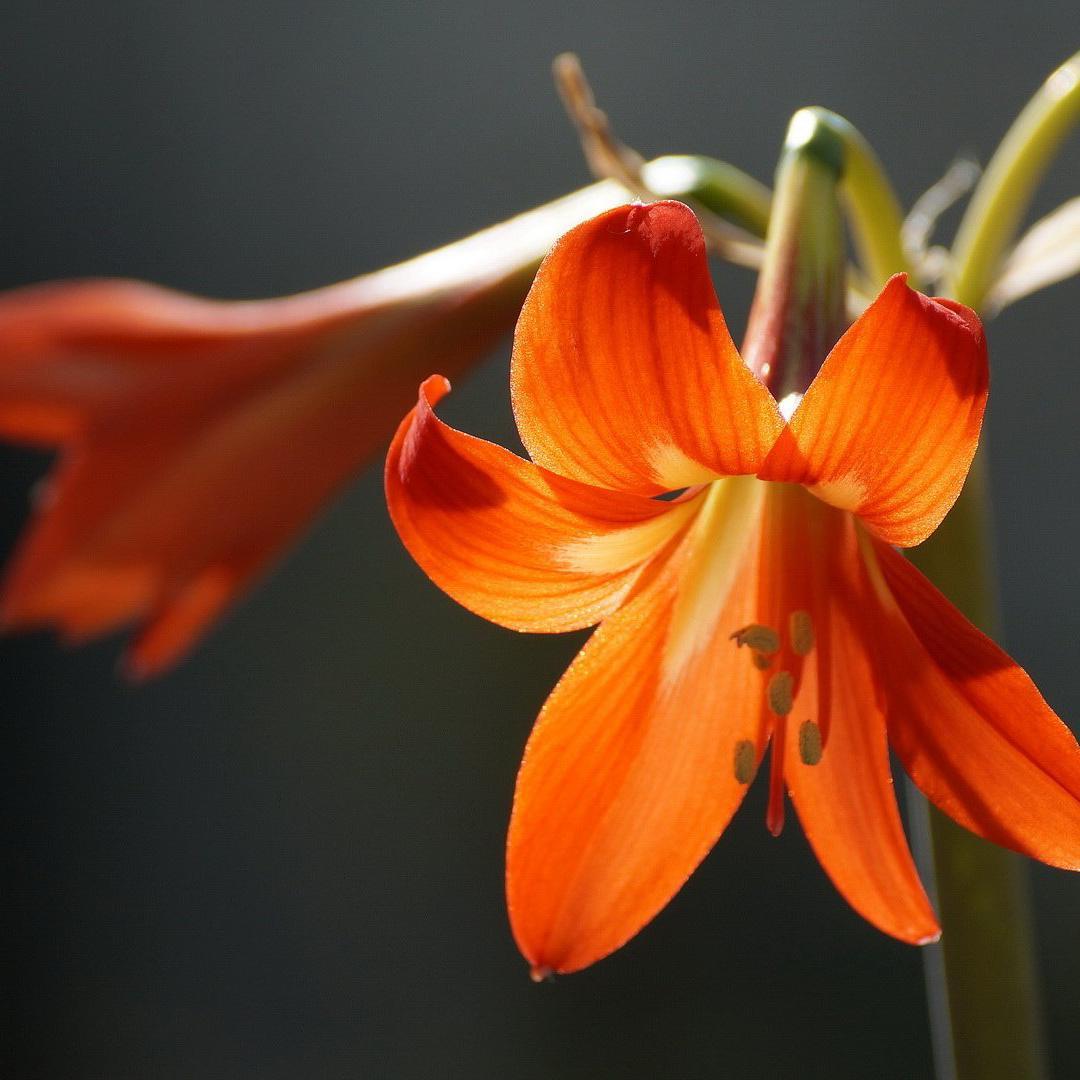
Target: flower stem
{"type": "Point", "coordinates": [984, 967]}
{"type": "Point", "coordinates": [872, 207]}
{"type": "Point", "coordinates": [981, 978]}
{"type": "Point", "coordinates": [1004, 193]}
{"type": "Point", "coordinates": [722, 188]}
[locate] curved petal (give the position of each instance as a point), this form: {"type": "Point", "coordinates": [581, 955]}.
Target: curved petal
{"type": "Point", "coordinates": [629, 775]}
{"type": "Point", "coordinates": [623, 372]}
{"type": "Point", "coordinates": [511, 542]}
{"type": "Point", "coordinates": [890, 425]}
{"type": "Point", "coordinates": [846, 802]}
{"type": "Point", "coordinates": [971, 728]}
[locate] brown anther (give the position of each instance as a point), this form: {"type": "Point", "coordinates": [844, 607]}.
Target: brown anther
{"type": "Point", "coordinates": [781, 691]}
{"type": "Point", "coordinates": [762, 639]}
{"type": "Point", "coordinates": [762, 662]}
{"type": "Point", "coordinates": [809, 743]}
{"type": "Point", "coordinates": [745, 761]}
{"type": "Point", "coordinates": [802, 633]}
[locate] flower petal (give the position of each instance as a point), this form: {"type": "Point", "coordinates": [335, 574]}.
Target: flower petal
{"type": "Point", "coordinates": [890, 425]}
{"type": "Point", "coordinates": [510, 541]}
{"type": "Point", "coordinates": [846, 802]}
{"type": "Point", "coordinates": [971, 728]}
{"type": "Point", "coordinates": [182, 619]}
{"type": "Point", "coordinates": [629, 775]}
{"type": "Point", "coordinates": [624, 374]}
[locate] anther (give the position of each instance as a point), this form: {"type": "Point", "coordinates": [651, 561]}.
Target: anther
{"type": "Point", "coordinates": [809, 743]}
{"type": "Point", "coordinates": [780, 691]}
{"type": "Point", "coordinates": [802, 633]}
{"type": "Point", "coordinates": [763, 639]}
{"type": "Point", "coordinates": [745, 761]}
{"type": "Point", "coordinates": [762, 662]}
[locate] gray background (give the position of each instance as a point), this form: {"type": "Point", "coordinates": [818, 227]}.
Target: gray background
{"type": "Point", "coordinates": [284, 860]}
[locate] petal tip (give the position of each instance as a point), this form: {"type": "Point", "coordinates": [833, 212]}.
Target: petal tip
{"type": "Point", "coordinates": [960, 315]}
{"type": "Point", "coordinates": [666, 222]}
{"type": "Point", "coordinates": [541, 973]}
{"type": "Point", "coordinates": [434, 388]}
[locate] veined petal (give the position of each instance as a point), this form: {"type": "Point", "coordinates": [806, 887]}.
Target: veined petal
{"type": "Point", "coordinates": [629, 776]}
{"type": "Point", "coordinates": [890, 425]}
{"type": "Point", "coordinates": [969, 725]}
{"type": "Point", "coordinates": [624, 374]}
{"type": "Point", "coordinates": [846, 802]}
{"type": "Point", "coordinates": [510, 541]}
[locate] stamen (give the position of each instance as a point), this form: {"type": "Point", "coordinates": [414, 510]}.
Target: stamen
{"type": "Point", "coordinates": [809, 742]}
{"type": "Point", "coordinates": [762, 639]}
{"type": "Point", "coordinates": [762, 662]}
{"type": "Point", "coordinates": [802, 633]}
{"type": "Point", "coordinates": [745, 761]}
{"type": "Point", "coordinates": [780, 692]}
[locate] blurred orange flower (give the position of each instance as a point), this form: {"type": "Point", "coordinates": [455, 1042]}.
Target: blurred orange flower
{"type": "Point", "coordinates": [764, 603]}
{"type": "Point", "coordinates": [198, 438]}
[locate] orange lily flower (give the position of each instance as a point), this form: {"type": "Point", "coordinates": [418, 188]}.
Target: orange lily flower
{"type": "Point", "coordinates": [765, 604]}
{"type": "Point", "coordinates": [199, 437]}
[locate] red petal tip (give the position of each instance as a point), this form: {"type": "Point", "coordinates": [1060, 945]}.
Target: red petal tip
{"type": "Point", "coordinates": [540, 973]}
{"type": "Point", "coordinates": [434, 388]}
{"type": "Point", "coordinates": [665, 222]}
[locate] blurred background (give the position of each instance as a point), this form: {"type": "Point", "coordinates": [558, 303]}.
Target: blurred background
{"type": "Point", "coordinates": [285, 859]}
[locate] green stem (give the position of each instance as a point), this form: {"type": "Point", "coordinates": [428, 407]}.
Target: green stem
{"type": "Point", "coordinates": [510, 252]}
{"type": "Point", "coordinates": [872, 207]}
{"type": "Point", "coordinates": [985, 958]}
{"type": "Point", "coordinates": [1004, 193]}
{"type": "Point", "coordinates": [984, 967]}
{"type": "Point", "coordinates": [722, 188]}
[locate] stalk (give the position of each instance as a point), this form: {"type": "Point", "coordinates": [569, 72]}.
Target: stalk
{"type": "Point", "coordinates": [1003, 195]}
{"type": "Point", "coordinates": [721, 188]}
{"type": "Point", "coordinates": [981, 978]}
{"type": "Point", "coordinates": [986, 957]}
{"type": "Point", "coordinates": [871, 205]}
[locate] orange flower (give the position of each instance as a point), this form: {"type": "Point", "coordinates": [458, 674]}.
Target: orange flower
{"type": "Point", "coordinates": [764, 604]}
{"type": "Point", "coordinates": [199, 438]}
